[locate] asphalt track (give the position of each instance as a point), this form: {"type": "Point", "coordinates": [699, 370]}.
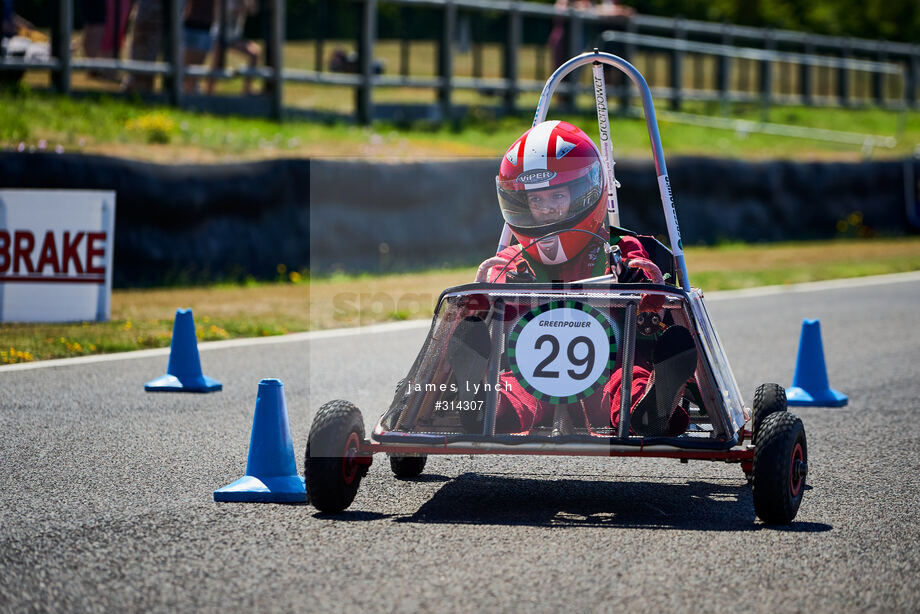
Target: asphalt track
{"type": "Point", "coordinates": [106, 490]}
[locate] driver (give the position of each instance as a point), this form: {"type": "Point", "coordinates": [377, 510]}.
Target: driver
{"type": "Point", "coordinates": [550, 180]}
{"type": "Point", "coordinates": [552, 193]}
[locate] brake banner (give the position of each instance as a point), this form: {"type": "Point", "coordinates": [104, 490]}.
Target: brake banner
{"type": "Point", "coordinates": [56, 255]}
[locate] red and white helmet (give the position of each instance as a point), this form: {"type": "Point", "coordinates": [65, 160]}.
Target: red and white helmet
{"type": "Point", "coordinates": [551, 179]}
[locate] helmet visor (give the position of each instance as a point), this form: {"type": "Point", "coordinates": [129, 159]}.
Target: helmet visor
{"type": "Point", "coordinates": [535, 206]}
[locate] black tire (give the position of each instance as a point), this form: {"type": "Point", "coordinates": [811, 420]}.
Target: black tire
{"type": "Point", "coordinates": [332, 479]}
{"type": "Point", "coordinates": [768, 399]}
{"type": "Point", "coordinates": [780, 467]}
{"type": "Point", "coordinates": [407, 467]}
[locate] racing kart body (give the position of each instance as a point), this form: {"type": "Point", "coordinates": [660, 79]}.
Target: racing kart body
{"type": "Point", "coordinates": [449, 399]}
{"type": "Point", "coordinates": [562, 343]}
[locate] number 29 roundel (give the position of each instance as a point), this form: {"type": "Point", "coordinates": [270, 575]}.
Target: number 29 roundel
{"type": "Point", "coordinates": [563, 351]}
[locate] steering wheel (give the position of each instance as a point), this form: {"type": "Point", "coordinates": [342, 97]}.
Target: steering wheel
{"type": "Point", "coordinates": [607, 246]}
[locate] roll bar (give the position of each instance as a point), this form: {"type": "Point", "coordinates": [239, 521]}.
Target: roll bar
{"type": "Point", "coordinates": [597, 59]}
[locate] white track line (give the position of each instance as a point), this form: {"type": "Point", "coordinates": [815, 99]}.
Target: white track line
{"type": "Point", "coordinates": [222, 345]}
{"type": "Point", "coordinates": [816, 286]}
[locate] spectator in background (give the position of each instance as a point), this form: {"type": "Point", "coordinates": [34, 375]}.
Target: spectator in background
{"type": "Point", "coordinates": [93, 27]}
{"type": "Point", "coordinates": [198, 33]}
{"type": "Point", "coordinates": [116, 26]}
{"type": "Point", "coordinates": [12, 24]}
{"type": "Point", "coordinates": [21, 40]}
{"type": "Point", "coordinates": [574, 198]}
{"type": "Point", "coordinates": [347, 61]}
{"type": "Point", "coordinates": [234, 22]}
{"type": "Point", "coordinates": [8, 24]}
{"type": "Point", "coordinates": [106, 22]}
{"type": "Point", "coordinates": [613, 8]}
{"type": "Point", "coordinates": [145, 42]}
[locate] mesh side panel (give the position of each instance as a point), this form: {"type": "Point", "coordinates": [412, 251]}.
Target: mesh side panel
{"type": "Point", "coordinates": [421, 369]}
{"type": "Point", "coordinates": [699, 396]}
{"type": "Point", "coordinates": [439, 397]}
{"type": "Point", "coordinates": [674, 401]}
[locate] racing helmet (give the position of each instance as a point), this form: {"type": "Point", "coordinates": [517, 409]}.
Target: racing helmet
{"type": "Point", "coordinates": [552, 179]}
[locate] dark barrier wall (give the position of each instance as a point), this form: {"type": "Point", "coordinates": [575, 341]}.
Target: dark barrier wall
{"type": "Point", "coordinates": [436, 213]}
{"type": "Point", "coordinates": [376, 216]}
{"type": "Point", "coordinates": [195, 222]}
{"type": "Point", "coordinates": [186, 223]}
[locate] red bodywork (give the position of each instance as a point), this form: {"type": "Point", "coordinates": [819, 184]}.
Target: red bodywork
{"type": "Point", "coordinates": [741, 453]}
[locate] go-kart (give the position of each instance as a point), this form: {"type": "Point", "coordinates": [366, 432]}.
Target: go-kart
{"type": "Point", "coordinates": [561, 344]}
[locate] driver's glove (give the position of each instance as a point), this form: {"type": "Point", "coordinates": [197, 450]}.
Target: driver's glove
{"type": "Point", "coordinates": [650, 303]}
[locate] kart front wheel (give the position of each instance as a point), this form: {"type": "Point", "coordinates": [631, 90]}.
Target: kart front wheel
{"type": "Point", "coordinates": [332, 467]}
{"type": "Point", "coordinates": [780, 467]}
{"type": "Point", "coordinates": [768, 399]}
{"type": "Point", "coordinates": [407, 467]}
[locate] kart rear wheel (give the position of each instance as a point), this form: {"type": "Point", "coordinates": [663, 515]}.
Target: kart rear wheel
{"type": "Point", "coordinates": [332, 468]}
{"type": "Point", "coordinates": [407, 467]}
{"type": "Point", "coordinates": [768, 399]}
{"type": "Point", "coordinates": [780, 467]}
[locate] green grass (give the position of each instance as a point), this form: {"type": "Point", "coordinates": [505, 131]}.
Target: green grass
{"type": "Point", "coordinates": [124, 128]}
{"type": "Point", "coordinates": [143, 318]}
{"type": "Point", "coordinates": [106, 125]}
{"type": "Point", "coordinates": [734, 280]}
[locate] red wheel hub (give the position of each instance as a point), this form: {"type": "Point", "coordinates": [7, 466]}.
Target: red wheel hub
{"type": "Point", "coordinates": [349, 458]}
{"type": "Point", "coordinates": [798, 469]}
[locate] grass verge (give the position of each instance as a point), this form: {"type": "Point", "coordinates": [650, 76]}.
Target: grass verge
{"type": "Point", "coordinates": [31, 121]}
{"type": "Point", "coordinates": [143, 318]}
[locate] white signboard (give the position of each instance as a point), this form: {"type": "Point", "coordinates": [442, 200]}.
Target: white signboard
{"type": "Point", "coordinates": [562, 351]}
{"type": "Point", "coordinates": [56, 255]}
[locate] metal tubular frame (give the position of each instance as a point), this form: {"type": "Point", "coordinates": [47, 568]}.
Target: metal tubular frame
{"type": "Point", "coordinates": [603, 128]}
{"type": "Point", "coordinates": [496, 331]}
{"type": "Point", "coordinates": [628, 342]}
{"type": "Point", "coordinates": [737, 454]}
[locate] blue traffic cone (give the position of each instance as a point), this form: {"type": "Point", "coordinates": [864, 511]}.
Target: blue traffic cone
{"type": "Point", "coordinates": [271, 471]}
{"type": "Point", "coordinates": [183, 374]}
{"type": "Point", "coordinates": [809, 385]}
